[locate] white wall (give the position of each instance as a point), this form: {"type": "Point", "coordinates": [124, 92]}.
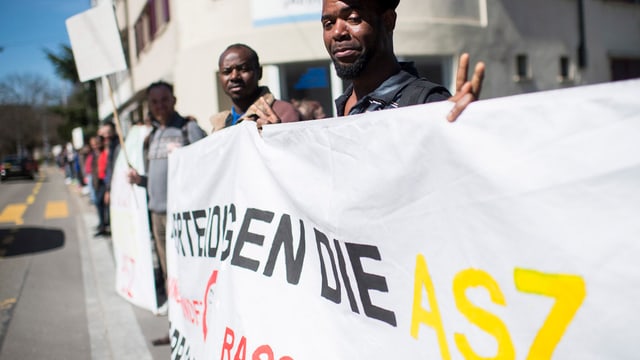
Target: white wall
{"type": "Point", "coordinates": [495, 31]}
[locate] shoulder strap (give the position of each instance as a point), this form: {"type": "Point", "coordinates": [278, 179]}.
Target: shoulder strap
{"type": "Point", "coordinates": [145, 148]}
{"type": "Point", "coordinates": [195, 127]}
{"type": "Point", "coordinates": [147, 139]}
{"type": "Point", "coordinates": [418, 91]}
{"type": "Point", "coordinates": [185, 133]}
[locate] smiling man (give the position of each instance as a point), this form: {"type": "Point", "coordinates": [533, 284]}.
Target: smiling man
{"type": "Point", "coordinates": [358, 35]}
{"type": "Point", "coordinates": [239, 73]}
{"type": "Point", "coordinates": [170, 131]}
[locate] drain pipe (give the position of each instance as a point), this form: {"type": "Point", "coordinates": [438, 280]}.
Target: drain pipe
{"type": "Point", "coordinates": [582, 47]}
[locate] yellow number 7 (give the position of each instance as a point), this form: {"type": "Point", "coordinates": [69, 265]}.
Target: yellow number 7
{"type": "Point", "coordinates": [569, 292]}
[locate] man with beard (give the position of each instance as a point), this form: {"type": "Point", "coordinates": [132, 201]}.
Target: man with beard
{"type": "Point", "coordinates": [358, 35]}
{"type": "Point", "coordinates": [239, 73]}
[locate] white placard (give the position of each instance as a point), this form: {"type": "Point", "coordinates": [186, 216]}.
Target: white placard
{"type": "Point", "coordinates": [130, 231]}
{"type": "Point", "coordinates": [95, 41]}
{"type": "Point", "coordinates": [77, 136]}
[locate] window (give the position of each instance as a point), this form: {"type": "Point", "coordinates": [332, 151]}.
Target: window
{"type": "Point", "coordinates": [434, 69]}
{"type": "Point", "coordinates": [564, 69]}
{"type": "Point", "coordinates": [143, 36]}
{"type": "Point", "coordinates": [159, 14]}
{"type": "Point", "coordinates": [623, 68]}
{"type": "Point", "coordinates": [307, 80]}
{"type": "Point", "coordinates": [522, 68]}
{"type": "Point", "coordinates": [124, 40]}
{"type": "Point", "coordinates": [152, 20]}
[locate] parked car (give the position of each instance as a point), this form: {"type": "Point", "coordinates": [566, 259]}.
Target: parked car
{"type": "Point", "coordinates": [18, 166]}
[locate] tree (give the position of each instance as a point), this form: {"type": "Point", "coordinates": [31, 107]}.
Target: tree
{"type": "Point", "coordinates": [64, 64]}
{"type": "Point", "coordinates": [24, 111]}
{"type": "Point", "coordinates": [35, 113]}
{"type": "Point", "coordinates": [25, 89]}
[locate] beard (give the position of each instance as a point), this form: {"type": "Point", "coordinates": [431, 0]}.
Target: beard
{"type": "Point", "coordinates": [353, 70]}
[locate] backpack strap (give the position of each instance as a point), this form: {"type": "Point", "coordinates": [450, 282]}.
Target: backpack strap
{"type": "Point", "coordinates": [185, 132]}
{"type": "Point", "coordinates": [185, 129]}
{"type": "Point", "coordinates": [418, 91]}
{"type": "Point", "coordinates": [145, 147]}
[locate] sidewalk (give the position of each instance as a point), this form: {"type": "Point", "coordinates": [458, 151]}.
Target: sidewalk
{"type": "Point", "coordinates": [117, 329]}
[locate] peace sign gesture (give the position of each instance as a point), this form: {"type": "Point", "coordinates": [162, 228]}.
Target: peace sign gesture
{"type": "Point", "coordinates": [466, 91]}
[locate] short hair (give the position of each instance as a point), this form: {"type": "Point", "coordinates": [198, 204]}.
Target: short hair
{"type": "Point", "coordinates": [388, 4]}
{"type": "Point", "coordinates": [160, 83]}
{"type": "Point", "coordinates": [252, 53]}
{"type": "Point", "coordinates": [109, 123]}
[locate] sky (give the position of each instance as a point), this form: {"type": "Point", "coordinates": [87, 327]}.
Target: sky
{"type": "Point", "coordinates": [29, 26]}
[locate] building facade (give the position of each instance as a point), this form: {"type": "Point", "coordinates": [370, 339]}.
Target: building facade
{"type": "Point", "coordinates": [527, 45]}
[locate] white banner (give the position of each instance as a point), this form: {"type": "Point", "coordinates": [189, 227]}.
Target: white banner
{"type": "Point", "coordinates": [130, 230]}
{"type": "Point", "coordinates": [512, 233]}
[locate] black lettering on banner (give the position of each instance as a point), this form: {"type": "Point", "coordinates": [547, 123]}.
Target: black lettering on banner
{"type": "Point", "coordinates": [213, 213]}
{"type": "Point", "coordinates": [326, 291]}
{"type": "Point", "coordinates": [345, 278]}
{"type": "Point", "coordinates": [199, 214]}
{"type": "Point", "coordinates": [186, 216]}
{"type": "Point", "coordinates": [231, 212]}
{"type": "Point", "coordinates": [179, 349]}
{"type": "Point", "coordinates": [284, 236]}
{"type": "Point", "coordinates": [176, 234]}
{"type": "Point", "coordinates": [368, 281]}
{"type": "Point", "coordinates": [247, 237]}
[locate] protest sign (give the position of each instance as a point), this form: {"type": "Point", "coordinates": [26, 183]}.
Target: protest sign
{"type": "Point", "coordinates": [95, 42]}
{"type": "Point", "coordinates": [97, 50]}
{"type": "Point", "coordinates": [130, 228]}
{"type": "Point", "coordinates": [77, 137]}
{"type": "Point", "coordinates": [511, 233]}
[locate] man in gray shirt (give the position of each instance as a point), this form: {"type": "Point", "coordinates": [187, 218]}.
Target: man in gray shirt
{"type": "Point", "coordinates": [170, 131]}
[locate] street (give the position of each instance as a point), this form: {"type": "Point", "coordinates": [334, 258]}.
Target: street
{"type": "Point", "coordinates": [57, 297]}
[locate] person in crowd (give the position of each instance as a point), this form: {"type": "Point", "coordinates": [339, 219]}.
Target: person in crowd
{"type": "Point", "coordinates": [112, 144]}
{"type": "Point", "coordinates": [98, 175]}
{"type": "Point", "coordinates": [170, 131]}
{"type": "Point", "coordinates": [358, 36]}
{"type": "Point", "coordinates": [239, 73]}
{"type": "Point", "coordinates": [83, 153]}
{"type": "Point", "coordinates": [95, 147]}
{"type": "Point", "coordinates": [69, 162]}
{"type": "Point", "coordinates": [309, 109]}
{"type": "Point", "coordinates": [77, 167]}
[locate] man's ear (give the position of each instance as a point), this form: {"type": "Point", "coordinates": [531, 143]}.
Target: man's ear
{"type": "Point", "coordinates": [259, 71]}
{"type": "Point", "coordinates": [389, 19]}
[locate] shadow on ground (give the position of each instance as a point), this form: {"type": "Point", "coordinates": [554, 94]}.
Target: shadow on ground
{"type": "Point", "coordinates": [18, 241]}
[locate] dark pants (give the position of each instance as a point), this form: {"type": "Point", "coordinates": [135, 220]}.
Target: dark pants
{"type": "Point", "coordinates": [102, 206]}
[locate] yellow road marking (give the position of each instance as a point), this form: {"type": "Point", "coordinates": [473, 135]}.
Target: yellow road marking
{"type": "Point", "coordinates": [13, 213]}
{"type": "Point", "coordinates": [7, 303]}
{"type": "Point", "coordinates": [31, 199]}
{"type": "Point", "coordinates": [56, 210]}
